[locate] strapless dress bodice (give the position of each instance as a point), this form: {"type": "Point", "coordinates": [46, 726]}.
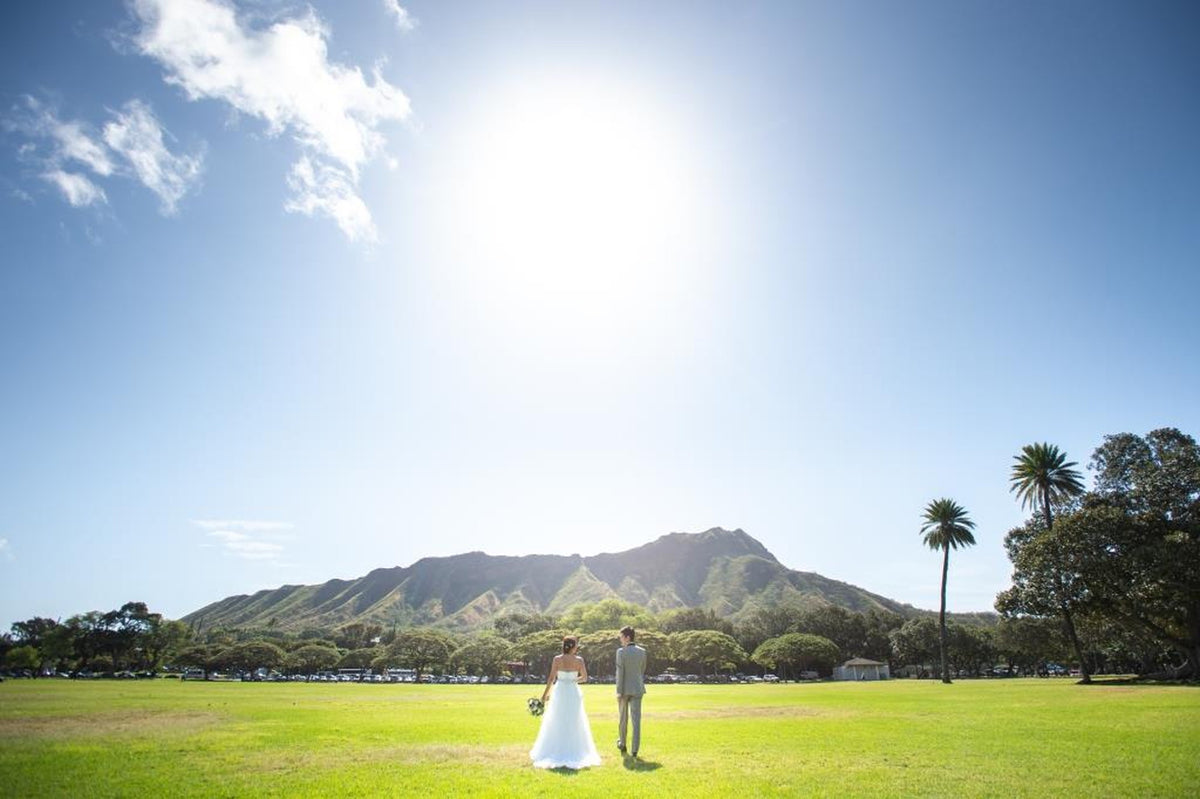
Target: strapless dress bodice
{"type": "Point", "coordinates": [568, 676]}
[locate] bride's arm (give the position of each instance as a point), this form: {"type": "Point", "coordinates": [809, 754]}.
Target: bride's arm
{"type": "Point", "coordinates": [550, 677]}
{"type": "Point", "coordinates": [582, 671]}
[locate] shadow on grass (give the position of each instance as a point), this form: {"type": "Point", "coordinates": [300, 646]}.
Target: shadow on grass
{"type": "Point", "coordinates": [632, 763]}
{"type": "Point", "coordinates": [1142, 682]}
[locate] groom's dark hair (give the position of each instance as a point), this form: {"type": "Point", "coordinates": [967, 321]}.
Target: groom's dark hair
{"type": "Point", "coordinates": [627, 631]}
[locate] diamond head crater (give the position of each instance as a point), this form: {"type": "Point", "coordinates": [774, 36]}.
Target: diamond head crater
{"type": "Point", "coordinates": [726, 571]}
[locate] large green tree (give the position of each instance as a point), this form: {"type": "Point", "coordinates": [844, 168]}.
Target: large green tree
{"type": "Point", "coordinates": [946, 526]}
{"type": "Point", "coordinates": [677, 620]}
{"type": "Point", "coordinates": [707, 648]}
{"type": "Point", "coordinates": [312, 658]}
{"type": "Point", "coordinates": [250, 655]}
{"type": "Point", "coordinates": [484, 655]}
{"type": "Point", "coordinates": [1042, 479]}
{"type": "Point", "coordinates": [421, 648]}
{"type": "Point", "coordinates": [916, 642]}
{"type": "Point", "coordinates": [537, 649]}
{"type": "Point", "coordinates": [794, 652]}
{"type": "Point", "coordinates": [607, 614]}
{"type": "Point", "coordinates": [599, 650]}
{"type": "Point", "coordinates": [23, 657]}
{"type": "Point", "coordinates": [768, 621]}
{"type": "Point", "coordinates": [1029, 643]}
{"type": "Point", "coordinates": [1154, 548]}
{"type": "Point", "coordinates": [514, 625]}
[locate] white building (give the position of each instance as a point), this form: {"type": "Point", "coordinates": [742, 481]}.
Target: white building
{"type": "Point", "coordinates": [861, 669]}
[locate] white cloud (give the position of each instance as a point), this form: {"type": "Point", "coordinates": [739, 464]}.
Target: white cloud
{"type": "Point", "coordinates": [321, 188]}
{"type": "Point", "coordinates": [132, 145]}
{"type": "Point", "coordinates": [247, 539]}
{"type": "Point", "coordinates": [137, 135]}
{"type": "Point", "coordinates": [76, 145]}
{"type": "Point", "coordinates": [78, 190]}
{"type": "Point", "coordinates": [5, 550]}
{"type": "Point", "coordinates": [404, 20]}
{"type": "Point", "coordinates": [282, 75]}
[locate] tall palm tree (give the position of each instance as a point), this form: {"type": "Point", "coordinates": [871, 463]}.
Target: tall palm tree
{"type": "Point", "coordinates": [946, 526]}
{"type": "Point", "coordinates": [1042, 477]}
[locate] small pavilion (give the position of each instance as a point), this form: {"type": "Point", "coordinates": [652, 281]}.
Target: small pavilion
{"type": "Point", "coordinates": [861, 669]}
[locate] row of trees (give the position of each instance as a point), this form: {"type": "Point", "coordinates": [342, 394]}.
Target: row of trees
{"type": "Point", "coordinates": [1117, 568]}
{"type": "Point", "coordinates": [786, 638]}
{"type": "Point", "coordinates": [129, 638]}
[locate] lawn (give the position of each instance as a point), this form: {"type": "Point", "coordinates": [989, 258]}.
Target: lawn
{"type": "Point", "coordinates": [1021, 737]}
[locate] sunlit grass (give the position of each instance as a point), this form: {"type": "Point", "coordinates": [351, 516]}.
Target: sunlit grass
{"type": "Point", "coordinates": [906, 738]}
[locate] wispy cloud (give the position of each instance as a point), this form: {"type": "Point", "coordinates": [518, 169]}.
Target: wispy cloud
{"type": "Point", "coordinates": [404, 20]}
{"type": "Point", "coordinates": [6, 554]}
{"type": "Point", "coordinates": [248, 539]}
{"type": "Point", "coordinates": [136, 134]}
{"type": "Point", "coordinates": [71, 155]}
{"type": "Point", "coordinates": [281, 74]}
{"type": "Point", "coordinates": [319, 188]}
{"type": "Point", "coordinates": [77, 189]}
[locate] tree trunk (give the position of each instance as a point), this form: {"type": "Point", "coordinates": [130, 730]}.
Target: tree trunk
{"type": "Point", "coordinates": [1086, 678]}
{"type": "Point", "coordinates": [942, 615]}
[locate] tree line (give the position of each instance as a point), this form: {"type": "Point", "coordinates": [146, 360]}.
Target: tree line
{"type": "Point", "coordinates": [786, 639]}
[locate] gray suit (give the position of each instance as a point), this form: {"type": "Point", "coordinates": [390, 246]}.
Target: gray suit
{"type": "Point", "coordinates": [631, 669]}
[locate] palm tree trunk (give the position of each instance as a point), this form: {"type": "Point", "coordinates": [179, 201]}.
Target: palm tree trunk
{"type": "Point", "coordinates": [942, 614]}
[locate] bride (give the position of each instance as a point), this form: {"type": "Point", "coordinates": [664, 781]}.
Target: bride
{"type": "Point", "coordinates": [565, 739]}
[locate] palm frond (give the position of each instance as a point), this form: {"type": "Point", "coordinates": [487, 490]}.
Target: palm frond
{"type": "Point", "coordinates": [946, 525]}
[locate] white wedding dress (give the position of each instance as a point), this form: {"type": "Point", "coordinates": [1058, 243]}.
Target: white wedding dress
{"type": "Point", "coordinates": [565, 739]}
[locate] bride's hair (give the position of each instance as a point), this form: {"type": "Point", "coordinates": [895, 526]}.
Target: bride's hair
{"type": "Point", "coordinates": [569, 643]}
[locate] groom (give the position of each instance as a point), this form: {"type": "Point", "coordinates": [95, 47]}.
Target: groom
{"type": "Point", "coordinates": [631, 668]}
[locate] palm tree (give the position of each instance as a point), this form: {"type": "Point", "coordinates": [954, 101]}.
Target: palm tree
{"type": "Point", "coordinates": [1042, 477]}
{"type": "Point", "coordinates": [946, 526]}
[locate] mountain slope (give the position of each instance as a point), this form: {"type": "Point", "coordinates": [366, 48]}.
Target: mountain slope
{"type": "Point", "coordinates": [727, 571]}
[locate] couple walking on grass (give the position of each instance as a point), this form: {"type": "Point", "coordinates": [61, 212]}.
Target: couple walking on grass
{"type": "Point", "coordinates": [565, 739]}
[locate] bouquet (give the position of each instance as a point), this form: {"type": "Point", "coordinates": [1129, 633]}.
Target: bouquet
{"type": "Point", "coordinates": [536, 706]}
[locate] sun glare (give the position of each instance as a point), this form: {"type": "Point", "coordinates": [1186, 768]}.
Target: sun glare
{"type": "Point", "coordinates": [572, 207]}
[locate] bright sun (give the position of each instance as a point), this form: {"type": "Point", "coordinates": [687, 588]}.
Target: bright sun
{"type": "Point", "coordinates": [573, 203]}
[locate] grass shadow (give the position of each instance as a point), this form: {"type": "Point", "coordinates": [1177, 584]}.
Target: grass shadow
{"type": "Point", "coordinates": [1142, 682]}
{"type": "Point", "coordinates": [632, 763]}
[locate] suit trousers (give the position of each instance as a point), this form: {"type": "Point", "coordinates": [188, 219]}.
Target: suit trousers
{"type": "Point", "coordinates": [630, 706]}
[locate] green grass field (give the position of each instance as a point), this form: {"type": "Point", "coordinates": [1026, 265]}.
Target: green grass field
{"type": "Point", "coordinates": [903, 738]}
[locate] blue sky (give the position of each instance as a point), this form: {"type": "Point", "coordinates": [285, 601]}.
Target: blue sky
{"type": "Point", "coordinates": [291, 292]}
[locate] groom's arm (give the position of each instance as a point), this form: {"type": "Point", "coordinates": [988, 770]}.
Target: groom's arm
{"type": "Point", "coordinates": [620, 669]}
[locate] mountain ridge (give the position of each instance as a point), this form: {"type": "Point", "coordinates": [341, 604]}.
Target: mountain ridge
{"type": "Point", "coordinates": [727, 571]}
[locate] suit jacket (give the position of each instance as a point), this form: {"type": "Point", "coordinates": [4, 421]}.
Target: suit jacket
{"type": "Point", "coordinates": [631, 669]}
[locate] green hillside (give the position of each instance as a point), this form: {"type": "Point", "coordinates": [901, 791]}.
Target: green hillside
{"type": "Point", "coordinates": [726, 571]}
